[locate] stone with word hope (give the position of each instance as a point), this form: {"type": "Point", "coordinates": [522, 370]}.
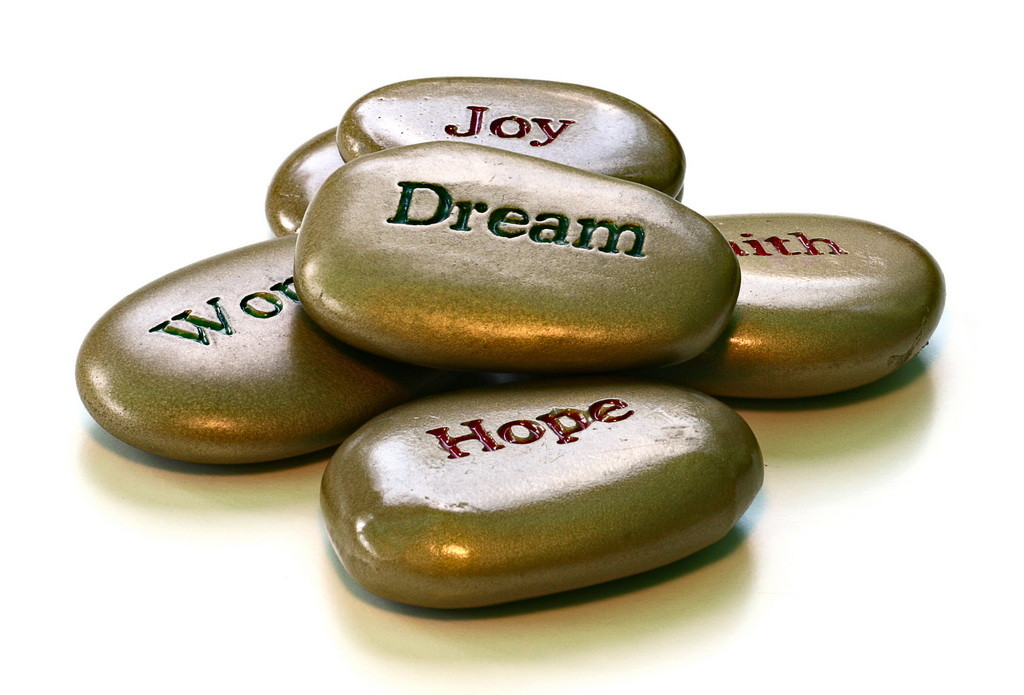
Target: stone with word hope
{"type": "Point", "coordinates": [580, 126]}
{"type": "Point", "coordinates": [218, 363]}
{"type": "Point", "coordinates": [826, 304]}
{"type": "Point", "coordinates": [467, 257]}
{"type": "Point", "coordinates": [504, 493]}
{"type": "Point", "coordinates": [298, 179]}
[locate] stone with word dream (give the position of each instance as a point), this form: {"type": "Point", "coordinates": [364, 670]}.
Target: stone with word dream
{"type": "Point", "coordinates": [580, 126]}
{"type": "Point", "coordinates": [218, 363]}
{"type": "Point", "coordinates": [298, 179]}
{"type": "Point", "coordinates": [504, 493]}
{"type": "Point", "coordinates": [467, 257]}
{"type": "Point", "coordinates": [826, 304]}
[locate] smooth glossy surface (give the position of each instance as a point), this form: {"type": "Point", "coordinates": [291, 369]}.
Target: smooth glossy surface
{"type": "Point", "coordinates": [298, 179]}
{"type": "Point", "coordinates": [566, 484]}
{"type": "Point", "coordinates": [826, 304]}
{"type": "Point", "coordinates": [218, 363]}
{"type": "Point", "coordinates": [467, 257]}
{"type": "Point", "coordinates": [580, 126]}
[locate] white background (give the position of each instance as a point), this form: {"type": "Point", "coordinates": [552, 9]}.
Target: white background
{"type": "Point", "coordinates": [881, 553]}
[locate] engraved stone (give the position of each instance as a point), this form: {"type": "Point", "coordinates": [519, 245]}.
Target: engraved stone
{"type": "Point", "coordinates": [461, 256]}
{"type": "Point", "coordinates": [504, 493]}
{"type": "Point", "coordinates": [298, 179]}
{"type": "Point", "coordinates": [583, 127]}
{"type": "Point", "coordinates": [826, 304]}
{"type": "Point", "coordinates": [218, 363]}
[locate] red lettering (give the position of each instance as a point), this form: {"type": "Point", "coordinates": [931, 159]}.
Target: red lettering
{"type": "Point", "coordinates": [476, 121]}
{"type": "Point", "coordinates": [498, 124]}
{"type": "Point", "coordinates": [601, 410]}
{"type": "Point", "coordinates": [476, 431]}
{"type": "Point", "coordinates": [809, 244]}
{"type": "Point", "coordinates": [545, 126]}
{"type": "Point", "coordinates": [534, 431]}
{"type": "Point", "coordinates": [579, 422]}
{"type": "Point", "coordinates": [780, 246]}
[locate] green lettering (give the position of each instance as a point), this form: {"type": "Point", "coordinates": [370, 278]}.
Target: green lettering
{"type": "Point", "coordinates": [560, 230]}
{"type": "Point", "coordinates": [444, 204]}
{"type": "Point", "coordinates": [611, 245]}
{"type": "Point", "coordinates": [507, 216]}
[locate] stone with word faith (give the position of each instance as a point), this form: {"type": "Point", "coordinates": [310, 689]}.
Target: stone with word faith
{"type": "Point", "coordinates": [492, 495]}
{"type": "Point", "coordinates": [298, 179]}
{"type": "Point", "coordinates": [826, 304]}
{"type": "Point", "coordinates": [566, 123]}
{"type": "Point", "coordinates": [218, 363]}
{"type": "Point", "coordinates": [466, 257]}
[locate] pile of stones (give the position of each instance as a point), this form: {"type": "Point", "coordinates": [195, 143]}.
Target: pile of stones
{"type": "Point", "coordinates": [454, 231]}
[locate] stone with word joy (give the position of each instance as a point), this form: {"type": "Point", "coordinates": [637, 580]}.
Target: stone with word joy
{"type": "Point", "coordinates": [580, 126]}
{"type": "Point", "coordinates": [298, 179]}
{"type": "Point", "coordinates": [461, 256]}
{"type": "Point", "coordinates": [504, 493]}
{"type": "Point", "coordinates": [218, 363]}
{"type": "Point", "coordinates": [826, 304]}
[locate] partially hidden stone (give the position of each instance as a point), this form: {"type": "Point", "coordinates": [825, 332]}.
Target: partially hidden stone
{"type": "Point", "coordinates": [466, 257]}
{"type": "Point", "coordinates": [493, 495]}
{"type": "Point", "coordinates": [218, 363]}
{"type": "Point", "coordinates": [298, 179]}
{"type": "Point", "coordinates": [826, 304]}
{"type": "Point", "coordinates": [580, 126]}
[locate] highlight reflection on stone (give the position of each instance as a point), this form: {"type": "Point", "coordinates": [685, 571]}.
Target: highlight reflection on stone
{"type": "Point", "coordinates": [498, 494]}
{"type": "Point", "coordinates": [298, 179]}
{"type": "Point", "coordinates": [465, 257]}
{"type": "Point", "coordinates": [826, 304]}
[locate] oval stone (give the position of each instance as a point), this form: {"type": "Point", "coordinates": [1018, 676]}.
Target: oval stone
{"type": "Point", "coordinates": [298, 179]}
{"type": "Point", "coordinates": [467, 257]}
{"type": "Point", "coordinates": [826, 304]}
{"type": "Point", "coordinates": [505, 493]}
{"type": "Point", "coordinates": [218, 363]}
{"type": "Point", "coordinates": [580, 126]}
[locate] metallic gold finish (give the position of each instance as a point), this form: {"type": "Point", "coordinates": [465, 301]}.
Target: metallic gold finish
{"type": "Point", "coordinates": [298, 179]}
{"type": "Point", "coordinates": [566, 123]}
{"type": "Point", "coordinates": [218, 363]}
{"type": "Point", "coordinates": [826, 304]}
{"type": "Point", "coordinates": [467, 257]}
{"type": "Point", "coordinates": [642, 474]}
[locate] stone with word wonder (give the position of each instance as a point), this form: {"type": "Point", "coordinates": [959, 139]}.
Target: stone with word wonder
{"type": "Point", "coordinates": [298, 179]}
{"type": "Point", "coordinates": [461, 256]}
{"type": "Point", "coordinates": [580, 126]}
{"type": "Point", "coordinates": [218, 363]}
{"type": "Point", "coordinates": [826, 304]}
{"type": "Point", "coordinates": [504, 493]}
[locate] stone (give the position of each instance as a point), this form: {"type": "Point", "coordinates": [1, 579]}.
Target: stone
{"type": "Point", "coordinates": [298, 179]}
{"type": "Point", "coordinates": [826, 304]}
{"type": "Point", "coordinates": [460, 256]}
{"type": "Point", "coordinates": [218, 363]}
{"type": "Point", "coordinates": [566, 123]}
{"type": "Point", "coordinates": [498, 494]}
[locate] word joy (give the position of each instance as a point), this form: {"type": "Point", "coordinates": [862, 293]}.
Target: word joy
{"type": "Point", "coordinates": [259, 305]}
{"type": "Point", "coordinates": [563, 422]}
{"type": "Point", "coordinates": [512, 222]}
{"type": "Point", "coordinates": [779, 244]}
{"type": "Point", "coordinates": [520, 127]}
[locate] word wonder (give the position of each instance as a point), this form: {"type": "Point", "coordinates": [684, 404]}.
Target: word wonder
{"type": "Point", "coordinates": [563, 422]}
{"type": "Point", "coordinates": [509, 127]}
{"type": "Point", "coordinates": [509, 222]}
{"type": "Point", "coordinates": [810, 246]}
{"type": "Point", "coordinates": [259, 305]}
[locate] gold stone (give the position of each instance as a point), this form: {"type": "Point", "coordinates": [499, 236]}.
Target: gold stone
{"type": "Point", "coordinates": [566, 123]}
{"type": "Point", "coordinates": [218, 363]}
{"type": "Point", "coordinates": [298, 179]}
{"type": "Point", "coordinates": [826, 304]}
{"type": "Point", "coordinates": [460, 256]}
{"type": "Point", "coordinates": [498, 494]}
